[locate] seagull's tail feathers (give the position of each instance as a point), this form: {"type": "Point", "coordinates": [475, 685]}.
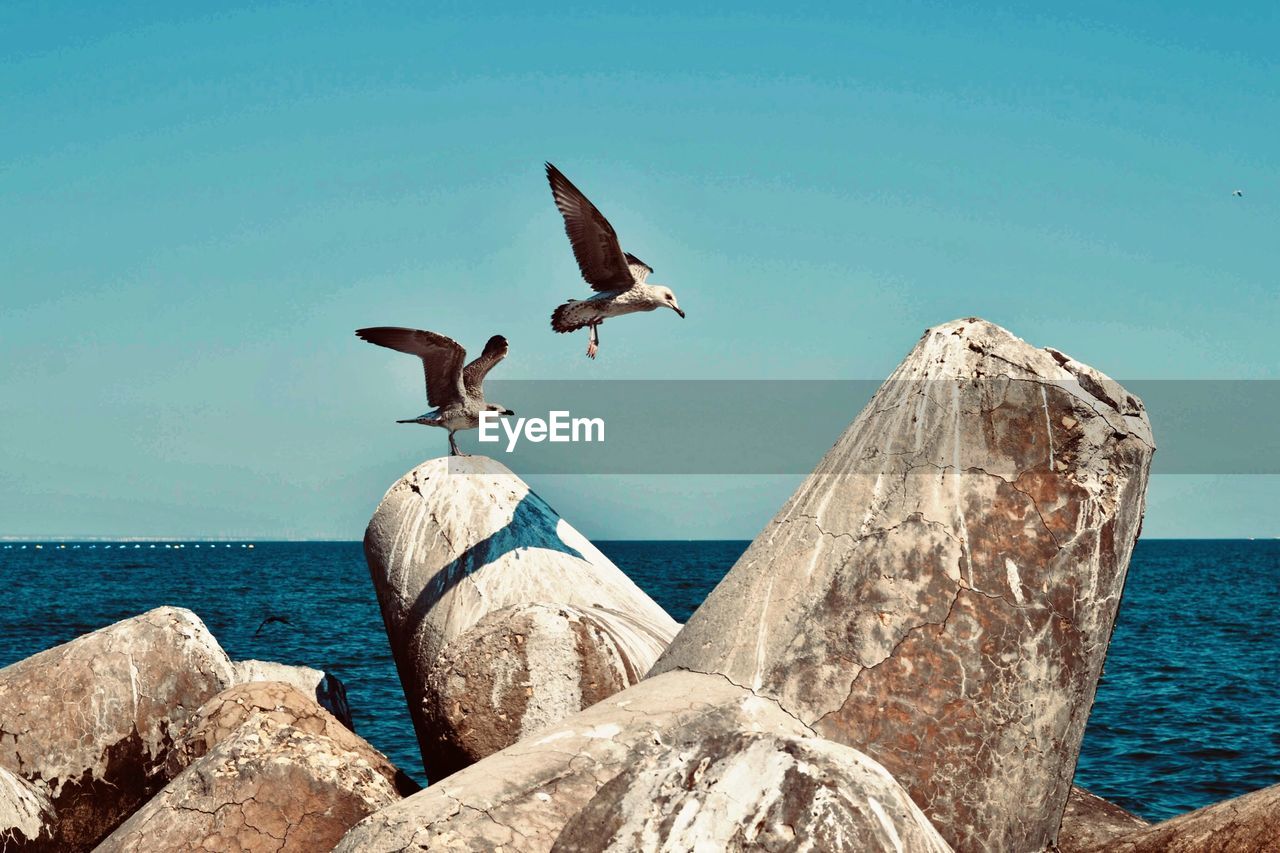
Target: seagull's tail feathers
{"type": "Point", "coordinates": [570, 317]}
{"type": "Point", "coordinates": [431, 418]}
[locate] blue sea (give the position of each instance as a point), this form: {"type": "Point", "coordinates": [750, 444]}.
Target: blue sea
{"type": "Point", "coordinates": [1188, 711]}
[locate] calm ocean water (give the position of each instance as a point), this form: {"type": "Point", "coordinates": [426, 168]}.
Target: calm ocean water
{"type": "Point", "coordinates": [1188, 711]}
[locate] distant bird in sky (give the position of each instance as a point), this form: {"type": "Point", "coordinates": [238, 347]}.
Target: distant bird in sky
{"type": "Point", "coordinates": [456, 392]}
{"type": "Point", "coordinates": [1238, 193]}
{"type": "Point", "coordinates": [617, 276]}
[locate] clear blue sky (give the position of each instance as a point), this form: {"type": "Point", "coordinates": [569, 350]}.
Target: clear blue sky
{"type": "Point", "coordinates": [196, 210]}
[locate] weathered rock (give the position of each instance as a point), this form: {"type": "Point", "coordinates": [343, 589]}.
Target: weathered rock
{"type": "Point", "coordinates": [90, 723]}
{"type": "Point", "coordinates": [940, 592]}
{"type": "Point", "coordinates": [516, 672]}
{"type": "Point", "coordinates": [1090, 820]}
{"type": "Point", "coordinates": [1247, 824]}
{"type": "Point", "coordinates": [26, 817]}
{"type": "Point", "coordinates": [267, 787]}
{"type": "Point", "coordinates": [941, 589]}
{"type": "Point", "coordinates": [223, 715]}
{"type": "Point", "coordinates": [739, 791]}
{"type": "Point", "coordinates": [323, 687]}
{"type": "Point", "coordinates": [519, 799]}
{"type": "Point", "coordinates": [458, 538]}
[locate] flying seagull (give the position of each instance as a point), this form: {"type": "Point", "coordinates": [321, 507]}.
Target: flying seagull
{"type": "Point", "coordinates": [283, 620]}
{"type": "Point", "coordinates": [617, 276]}
{"type": "Point", "coordinates": [1238, 193]}
{"type": "Point", "coordinates": [456, 392]}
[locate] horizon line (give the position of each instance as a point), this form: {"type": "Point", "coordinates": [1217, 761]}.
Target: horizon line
{"type": "Point", "coordinates": [13, 540]}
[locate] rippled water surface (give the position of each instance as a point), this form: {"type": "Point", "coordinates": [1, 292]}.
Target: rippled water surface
{"type": "Point", "coordinates": [1188, 711]}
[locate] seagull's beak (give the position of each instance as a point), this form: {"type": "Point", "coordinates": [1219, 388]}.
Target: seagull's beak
{"type": "Point", "coordinates": [678, 311]}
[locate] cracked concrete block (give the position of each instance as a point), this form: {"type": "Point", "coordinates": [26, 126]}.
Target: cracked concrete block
{"type": "Point", "coordinates": [1090, 820]}
{"type": "Point", "coordinates": [326, 689]}
{"type": "Point", "coordinates": [90, 723]}
{"type": "Point", "coordinates": [940, 592]}
{"type": "Point", "coordinates": [458, 538]}
{"type": "Point", "coordinates": [267, 787]}
{"type": "Point", "coordinates": [516, 672]}
{"type": "Point", "coordinates": [224, 715]}
{"type": "Point", "coordinates": [1247, 824]}
{"type": "Point", "coordinates": [520, 799]}
{"type": "Point", "coordinates": [26, 816]}
{"type": "Point", "coordinates": [708, 788]}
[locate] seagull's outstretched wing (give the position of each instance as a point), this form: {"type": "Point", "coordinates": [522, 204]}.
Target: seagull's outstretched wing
{"type": "Point", "coordinates": [441, 358]}
{"type": "Point", "coordinates": [474, 373]}
{"type": "Point", "coordinates": [595, 243]}
{"type": "Point", "coordinates": [639, 269]}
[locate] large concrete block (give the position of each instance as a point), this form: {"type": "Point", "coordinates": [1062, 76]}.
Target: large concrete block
{"type": "Point", "coordinates": [941, 590]}
{"type": "Point", "coordinates": [91, 722]}
{"type": "Point", "coordinates": [459, 538]}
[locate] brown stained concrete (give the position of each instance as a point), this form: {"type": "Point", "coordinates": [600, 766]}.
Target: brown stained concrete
{"type": "Point", "coordinates": [267, 788]}
{"type": "Point", "coordinates": [1247, 824]}
{"type": "Point", "coordinates": [90, 723]}
{"type": "Point", "coordinates": [1090, 820]}
{"type": "Point", "coordinates": [516, 672]}
{"type": "Point", "coordinates": [940, 592]}
{"type": "Point", "coordinates": [225, 714]}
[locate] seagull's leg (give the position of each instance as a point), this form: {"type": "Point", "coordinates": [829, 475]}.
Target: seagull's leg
{"type": "Point", "coordinates": [593, 343]}
{"type": "Point", "coordinates": [453, 445]}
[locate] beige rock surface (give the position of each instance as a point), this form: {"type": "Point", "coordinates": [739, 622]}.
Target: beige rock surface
{"type": "Point", "coordinates": [940, 592]}
{"type": "Point", "coordinates": [939, 595]}
{"type": "Point", "coordinates": [1247, 824]}
{"type": "Point", "coordinates": [26, 817]}
{"type": "Point", "coordinates": [519, 799]}
{"type": "Point", "coordinates": [1090, 820]}
{"type": "Point", "coordinates": [325, 688]}
{"type": "Point", "coordinates": [267, 787]}
{"type": "Point", "coordinates": [90, 722]}
{"type": "Point", "coordinates": [711, 789]}
{"type": "Point", "coordinates": [458, 538]}
{"type": "Point", "coordinates": [223, 715]}
{"type": "Point", "coordinates": [516, 672]}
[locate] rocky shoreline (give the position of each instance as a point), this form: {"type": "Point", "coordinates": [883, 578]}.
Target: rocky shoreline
{"type": "Point", "coordinates": [903, 660]}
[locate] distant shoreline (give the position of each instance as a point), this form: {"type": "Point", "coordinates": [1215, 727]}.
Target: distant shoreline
{"type": "Point", "coordinates": [220, 540]}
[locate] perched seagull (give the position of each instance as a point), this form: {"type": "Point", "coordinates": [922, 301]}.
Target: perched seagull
{"type": "Point", "coordinates": [457, 392]}
{"type": "Point", "coordinates": [617, 276]}
{"type": "Point", "coordinates": [1238, 193]}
